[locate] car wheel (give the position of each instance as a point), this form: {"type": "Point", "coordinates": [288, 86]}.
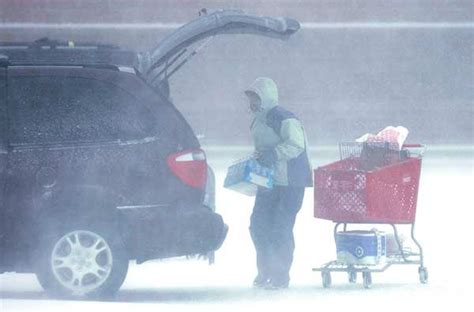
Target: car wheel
{"type": "Point", "coordinates": [82, 263]}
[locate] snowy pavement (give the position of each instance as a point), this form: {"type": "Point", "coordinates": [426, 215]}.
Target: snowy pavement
{"type": "Point", "coordinates": [445, 209]}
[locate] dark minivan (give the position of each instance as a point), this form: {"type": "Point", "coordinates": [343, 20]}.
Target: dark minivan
{"type": "Point", "coordinates": [97, 166]}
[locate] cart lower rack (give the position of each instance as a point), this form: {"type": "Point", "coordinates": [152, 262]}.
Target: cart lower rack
{"type": "Point", "coordinates": [371, 184]}
{"type": "Point", "coordinates": [401, 257]}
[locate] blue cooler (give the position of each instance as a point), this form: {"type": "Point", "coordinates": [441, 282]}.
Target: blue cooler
{"type": "Point", "coordinates": [247, 175]}
{"type": "Point", "coordinates": [361, 247]}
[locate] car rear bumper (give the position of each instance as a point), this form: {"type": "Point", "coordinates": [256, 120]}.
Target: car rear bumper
{"type": "Point", "coordinates": [162, 233]}
{"type": "Point", "coordinates": [199, 232]}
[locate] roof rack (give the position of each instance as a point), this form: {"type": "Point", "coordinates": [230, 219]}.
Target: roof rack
{"type": "Point", "coordinates": [45, 51]}
{"type": "Point", "coordinates": [46, 43]}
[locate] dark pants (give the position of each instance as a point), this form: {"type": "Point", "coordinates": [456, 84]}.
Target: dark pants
{"type": "Point", "coordinates": [271, 228]}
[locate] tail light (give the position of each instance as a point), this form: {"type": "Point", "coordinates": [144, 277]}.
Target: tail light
{"type": "Point", "coordinates": [190, 167]}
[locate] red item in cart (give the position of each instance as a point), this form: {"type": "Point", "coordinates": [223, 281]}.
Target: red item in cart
{"type": "Point", "coordinates": [343, 192]}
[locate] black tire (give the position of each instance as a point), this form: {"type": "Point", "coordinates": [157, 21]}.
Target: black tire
{"type": "Point", "coordinates": [352, 277]}
{"type": "Point", "coordinates": [108, 256]}
{"type": "Point", "coordinates": [327, 281]}
{"type": "Point", "coordinates": [423, 274]}
{"type": "Point", "coordinates": [367, 279]}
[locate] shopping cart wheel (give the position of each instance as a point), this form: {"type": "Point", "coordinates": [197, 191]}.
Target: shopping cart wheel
{"type": "Point", "coordinates": [326, 279]}
{"type": "Point", "coordinates": [423, 273]}
{"type": "Point", "coordinates": [367, 277]}
{"type": "Point", "coordinates": [352, 275]}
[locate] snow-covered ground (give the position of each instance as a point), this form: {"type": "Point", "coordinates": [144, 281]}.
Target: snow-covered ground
{"type": "Point", "coordinates": [444, 216]}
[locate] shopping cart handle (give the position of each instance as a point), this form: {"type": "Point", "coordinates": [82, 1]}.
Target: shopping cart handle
{"type": "Point", "coordinates": [419, 149]}
{"type": "Point", "coordinates": [412, 145]}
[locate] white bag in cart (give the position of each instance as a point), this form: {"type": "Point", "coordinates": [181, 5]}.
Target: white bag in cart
{"type": "Point", "coordinates": [395, 136]}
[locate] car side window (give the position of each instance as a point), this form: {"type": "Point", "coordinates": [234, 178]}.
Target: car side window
{"type": "Point", "coordinates": [52, 109]}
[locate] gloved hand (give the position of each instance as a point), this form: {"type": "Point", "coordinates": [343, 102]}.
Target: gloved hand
{"type": "Point", "coordinates": [266, 158]}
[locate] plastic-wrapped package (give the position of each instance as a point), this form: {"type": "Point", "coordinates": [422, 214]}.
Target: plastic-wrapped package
{"type": "Point", "coordinates": [246, 175]}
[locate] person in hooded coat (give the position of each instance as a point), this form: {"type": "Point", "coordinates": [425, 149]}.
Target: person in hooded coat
{"type": "Point", "coordinates": [280, 143]}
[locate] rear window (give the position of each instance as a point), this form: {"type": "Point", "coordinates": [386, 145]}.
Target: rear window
{"type": "Point", "coordinates": [170, 122]}
{"type": "Point", "coordinates": [47, 109]}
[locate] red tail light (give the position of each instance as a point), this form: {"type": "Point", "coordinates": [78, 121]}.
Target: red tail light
{"type": "Point", "coordinates": [190, 167]}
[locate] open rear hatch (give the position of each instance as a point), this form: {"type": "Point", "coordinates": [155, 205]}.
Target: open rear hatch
{"type": "Point", "coordinates": [155, 66]}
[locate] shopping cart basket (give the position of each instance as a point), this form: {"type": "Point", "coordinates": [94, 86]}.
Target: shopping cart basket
{"type": "Point", "coordinates": [373, 183]}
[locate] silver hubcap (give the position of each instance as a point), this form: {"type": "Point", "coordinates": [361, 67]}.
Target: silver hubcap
{"type": "Point", "coordinates": [81, 261]}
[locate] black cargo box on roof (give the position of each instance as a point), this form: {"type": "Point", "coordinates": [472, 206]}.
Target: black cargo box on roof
{"type": "Point", "coordinates": [52, 52]}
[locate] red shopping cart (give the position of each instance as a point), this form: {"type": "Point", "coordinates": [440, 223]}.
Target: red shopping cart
{"type": "Point", "coordinates": [372, 183]}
